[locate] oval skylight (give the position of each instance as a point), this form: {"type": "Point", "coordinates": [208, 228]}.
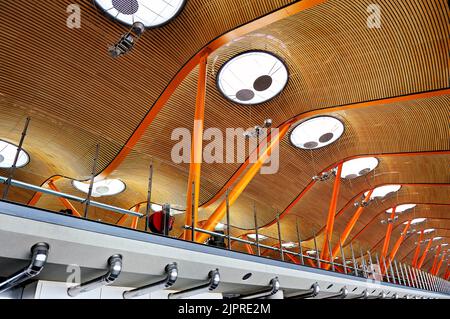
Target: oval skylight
{"type": "Point", "coordinates": [252, 77]}
{"type": "Point", "coordinates": [358, 167]}
{"type": "Point", "coordinates": [311, 252]}
{"type": "Point", "coordinates": [429, 230]}
{"type": "Point", "coordinates": [106, 187]}
{"type": "Point", "coordinates": [289, 245]}
{"type": "Point", "coordinates": [382, 191]}
{"type": "Point", "coordinates": [152, 13]}
{"type": "Point", "coordinates": [8, 153]}
{"type": "Point", "coordinates": [401, 208]}
{"type": "Point", "coordinates": [260, 237]}
{"type": "Point", "coordinates": [317, 132]}
{"type": "Point", "coordinates": [416, 221]}
{"type": "Point", "coordinates": [437, 238]}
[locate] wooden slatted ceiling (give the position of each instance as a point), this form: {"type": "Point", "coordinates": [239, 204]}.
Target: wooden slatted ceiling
{"type": "Point", "coordinates": [332, 60]}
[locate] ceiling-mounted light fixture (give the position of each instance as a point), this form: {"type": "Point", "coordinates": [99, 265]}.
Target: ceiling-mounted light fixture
{"type": "Point", "coordinates": [127, 41]}
{"type": "Point", "coordinates": [106, 187]}
{"type": "Point", "coordinates": [8, 153]}
{"type": "Point", "coordinates": [151, 13]}
{"type": "Point", "coordinates": [382, 191]}
{"type": "Point", "coordinates": [316, 132]}
{"type": "Point", "coordinates": [401, 208]}
{"type": "Point", "coordinates": [358, 167]}
{"type": "Point", "coordinates": [252, 77]}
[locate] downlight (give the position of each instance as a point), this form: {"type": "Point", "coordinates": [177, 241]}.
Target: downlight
{"type": "Point", "coordinates": [8, 153]}
{"type": "Point", "coordinates": [317, 132]}
{"type": "Point", "coordinates": [382, 191]}
{"type": "Point", "coordinates": [401, 208]}
{"type": "Point", "coordinates": [151, 13]}
{"type": "Point", "coordinates": [358, 167]}
{"type": "Point", "coordinates": [106, 187]}
{"type": "Point", "coordinates": [416, 221]}
{"type": "Point", "coordinates": [252, 77]}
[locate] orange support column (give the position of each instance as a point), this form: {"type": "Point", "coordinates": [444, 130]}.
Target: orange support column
{"type": "Point", "coordinates": [237, 190]}
{"type": "Point", "coordinates": [399, 241]}
{"type": "Point", "coordinates": [438, 267]}
{"type": "Point", "coordinates": [417, 252]}
{"type": "Point", "coordinates": [435, 260]}
{"type": "Point", "coordinates": [424, 255]}
{"type": "Point", "coordinates": [134, 220]}
{"type": "Point", "coordinates": [348, 229]}
{"type": "Point", "coordinates": [387, 238]}
{"type": "Point", "coordinates": [64, 201]}
{"type": "Point", "coordinates": [331, 214]}
{"type": "Point", "coordinates": [196, 149]}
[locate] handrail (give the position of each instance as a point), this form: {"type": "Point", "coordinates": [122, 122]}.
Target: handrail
{"type": "Point", "coordinates": [35, 188]}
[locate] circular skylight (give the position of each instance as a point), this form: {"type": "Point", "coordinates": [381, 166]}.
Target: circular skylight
{"type": "Point", "coordinates": [260, 237]}
{"type": "Point", "coordinates": [289, 245]}
{"type": "Point", "coordinates": [152, 13]}
{"type": "Point", "coordinates": [317, 132]}
{"type": "Point", "coordinates": [311, 252]}
{"type": "Point", "coordinates": [252, 77]}
{"type": "Point", "coordinates": [437, 238]}
{"type": "Point", "coordinates": [383, 191]}
{"type": "Point", "coordinates": [429, 230]}
{"type": "Point", "coordinates": [358, 167]}
{"type": "Point", "coordinates": [401, 208]}
{"type": "Point", "coordinates": [106, 187]}
{"type": "Point", "coordinates": [8, 153]}
{"type": "Point", "coordinates": [416, 221]}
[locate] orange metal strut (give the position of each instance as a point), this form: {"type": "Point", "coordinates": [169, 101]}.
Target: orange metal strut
{"type": "Point", "coordinates": [438, 267]}
{"type": "Point", "coordinates": [237, 190]}
{"type": "Point", "coordinates": [64, 201]}
{"type": "Point", "coordinates": [417, 252]}
{"type": "Point", "coordinates": [399, 241]}
{"type": "Point", "coordinates": [331, 214]}
{"type": "Point", "coordinates": [196, 149]}
{"type": "Point", "coordinates": [424, 255]}
{"type": "Point", "coordinates": [348, 229]}
{"type": "Point", "coordinates": [435, 260]}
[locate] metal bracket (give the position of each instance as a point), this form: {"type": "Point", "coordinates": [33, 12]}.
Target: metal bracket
{"type": "Point", "coordinates": [273, 288]}
{"type": "Point", "coordinates": [171, 271]}
{"type": "Point", "coordinates": [306, 293]}
{"type": "Point", "coordinates": [340, 295]}
{"type": "Point", "coordinates": [114, 269]}
{"type": "Point", "coordinates": [212, 284]}
{"type": "Point", "coordinates": [39, 254]}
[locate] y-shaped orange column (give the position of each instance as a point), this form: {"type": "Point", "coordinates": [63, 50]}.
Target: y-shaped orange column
{"type": "Point", "coordinates": [424, 255]}
{"type": "Point", "coordinates": [196, 150]}
{"type": "Point", "coordinates": [331, 214]}
{"type": "Point", "coordinates": [399, 241]}
{"type": "Point", "coordinates": [417, 252]}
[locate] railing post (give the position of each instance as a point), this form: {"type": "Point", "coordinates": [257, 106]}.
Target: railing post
{"type": "Point", "coordinates": [91, 182]}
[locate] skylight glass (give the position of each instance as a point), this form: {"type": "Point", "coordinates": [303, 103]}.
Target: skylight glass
{"type": "Point", "coordinates": [437, 238]}
{"type": "Point", "coordinates": [311, 252]}
{"type": "Point", "coordinates": [317, 132]}
{"type": "Point", "coordinates": [416, 221]}
{"type": "Point", "coordinates": [252, 77]}
{"type": "Point", "coordinates": [8, 153]}
{"type": "Point", "coordinates": [401, 208]}
{"type": "Point", "coordinates": [358, 167]}
{"type": "Point", "coordinates": [429, 230]}
{"type": "Point", "coordinates": [289, 244]}
{"type": "Point", "coordinates": [106, 187]}
{"type": "Point", "coordinates": [152, 13]}
{"type": "Point", "coordinates": [260, 237]}
{"type": "Point", "coordinates": [382, 191]}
